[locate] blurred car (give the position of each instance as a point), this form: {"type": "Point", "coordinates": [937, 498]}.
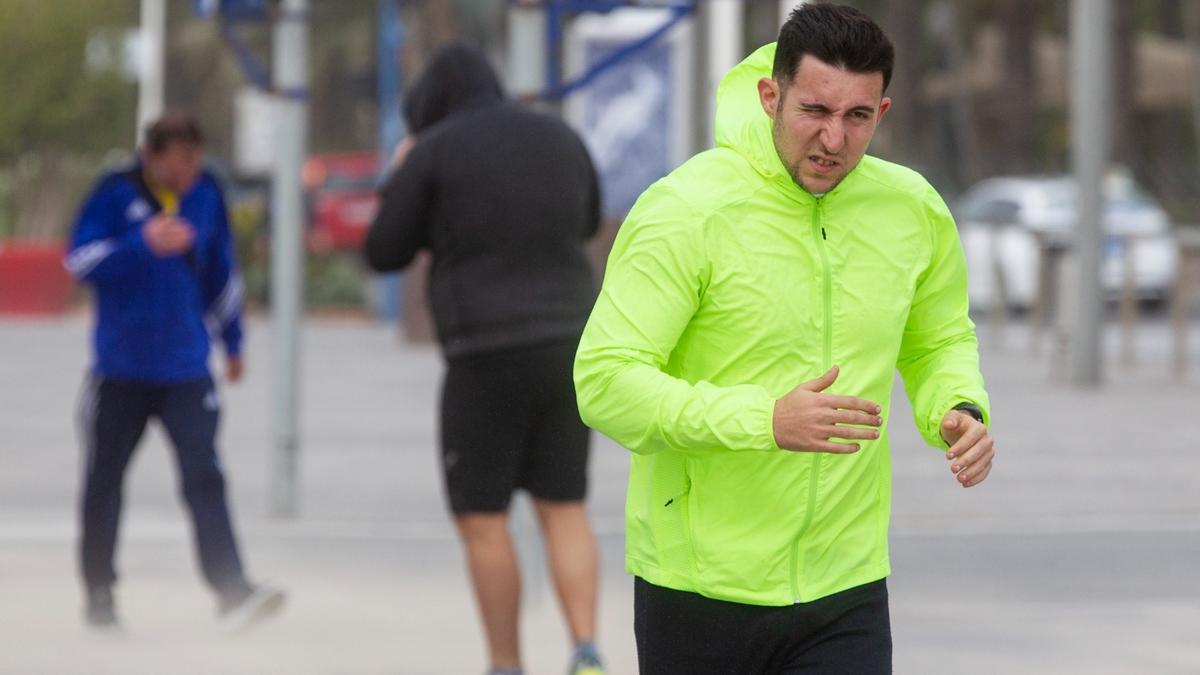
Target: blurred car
{"type": "Point", "coordinates": [342, 199]}
{"type": "Point", "coordinates": [1004, 222]}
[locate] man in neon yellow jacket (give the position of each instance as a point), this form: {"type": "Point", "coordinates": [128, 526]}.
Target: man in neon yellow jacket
{"type": "Point", "coordinates": [757, 511]}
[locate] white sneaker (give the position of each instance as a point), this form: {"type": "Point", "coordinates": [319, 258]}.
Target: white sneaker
{"type": "Point", "coordinates": [263, 602]}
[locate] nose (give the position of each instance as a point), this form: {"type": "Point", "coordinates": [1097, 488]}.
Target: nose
{"type": "Point", "coordinates": [833, 135]}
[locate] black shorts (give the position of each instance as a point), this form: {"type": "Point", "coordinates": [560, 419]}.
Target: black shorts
{"type": "Point", "coordinates": [510, 420]}
{"type": "Point", "coordinates": [680, 633]}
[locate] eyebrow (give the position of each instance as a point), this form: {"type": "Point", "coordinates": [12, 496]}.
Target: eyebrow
{"type": "Point", "coordinates": [821, 107]}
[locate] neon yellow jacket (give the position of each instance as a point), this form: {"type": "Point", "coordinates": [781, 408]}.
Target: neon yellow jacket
{"type": "Point", "coordinates": [728, 285]}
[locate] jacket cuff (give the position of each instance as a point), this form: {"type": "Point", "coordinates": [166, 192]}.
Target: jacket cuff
{"type": "Point", "coordinates": [768, 414]}
{"type": "Point", "coordinates": [233, 346]}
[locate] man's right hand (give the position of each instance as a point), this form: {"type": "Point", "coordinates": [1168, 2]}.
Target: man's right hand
{"type": "Point", "coordinates": [807, 419]}
{"type": "Point", "coordinates": [402, 149]}
{"type": "Point", "coordinates": [168, 236]}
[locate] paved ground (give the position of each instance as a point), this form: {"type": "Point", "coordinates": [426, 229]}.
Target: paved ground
{"type": "Point", "coordinates": [1078, 556]}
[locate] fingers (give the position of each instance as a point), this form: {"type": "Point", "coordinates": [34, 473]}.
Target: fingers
{"type": "Point", "coordinates": [971, 432]}
{"type": "Point", "coordinates": [854, 403]}
{"type": "Point", "coordinates": [167, 236]}
{"type": "Point", "coordinates": [975, 463]}
{"type": "Point", "coordinates": [983, 474]}
{"type": "Point", "coordinates": [956, 423]}
{"type": "Point", "coordinates": [856, 417]}
{"type": "Point", "coordinates": [806, 420]}
{"type": "Point", "coordinates": [823, 382]}
{"type": "Point", "coordinates": [177, 237]}
{"type": "Point", "coordinates": [836, 448]}
{"type": "Point", "coordinates": [852, 433]}
{"type": "Point", "coordinates": [976, 473]}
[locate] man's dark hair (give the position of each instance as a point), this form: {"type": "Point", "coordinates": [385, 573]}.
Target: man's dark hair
{"type": "Point", "coordinates": [175, 126]}
{"type": "Point", "coordinates": [835, 34]}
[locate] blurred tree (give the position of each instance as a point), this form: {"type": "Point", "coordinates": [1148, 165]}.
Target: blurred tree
{"type": "Point", "coordinates": [204, 76]}
{"type": "Point", "coordinates": [1170, 19]}
{"type": "Point", "coordinates": [904, 125]}
{"type": "Point", "coordinates": [1193, 37]}
{"type": "Point", "coordinates": [1018, 102]}
{"type": "Point", "coordinates": [430, 24]}
{"type": "Point", "coordinates": [1127, 138]}
{"type": "Point", "coordinates": [65, 98]}
{"type": "Point", "coordinates": [43, 48]}
{"type": "Point", "coordinates": [955, 30]}
{"type": "Point", "coordinates": [344, 105]}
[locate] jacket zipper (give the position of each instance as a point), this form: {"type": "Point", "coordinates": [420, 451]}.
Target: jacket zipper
{"type": "Point", "coordinates": [820, 237]}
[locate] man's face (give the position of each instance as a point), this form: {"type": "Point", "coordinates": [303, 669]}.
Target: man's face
{"type": "Point", "coordinates": [176, 167]}
{"type": "Point", "coordinates": [823, 121]}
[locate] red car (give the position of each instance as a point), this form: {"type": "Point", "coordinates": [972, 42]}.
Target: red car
{"type": "Point", "coordinates": [341, 197]}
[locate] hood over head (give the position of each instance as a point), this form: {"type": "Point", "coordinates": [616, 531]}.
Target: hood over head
{"type": "Point", "coordinates": [457, 78]}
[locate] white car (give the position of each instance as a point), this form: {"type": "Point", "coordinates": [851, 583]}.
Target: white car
{"type": "Point", "coordinates": [1004, 221]}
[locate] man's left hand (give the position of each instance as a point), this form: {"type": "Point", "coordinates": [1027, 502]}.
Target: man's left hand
{"type": "Point", "coordinates": [234, 368]}
{"type": "Point", "coordinates": [971, 447]}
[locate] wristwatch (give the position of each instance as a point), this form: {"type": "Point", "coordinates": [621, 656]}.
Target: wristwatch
{"type": "Point", "coordinates": [972, 410]}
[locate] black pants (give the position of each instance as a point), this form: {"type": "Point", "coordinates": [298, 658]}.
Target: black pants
{"type": "Point", "coordinates": [689, 634]}
{"type": "Point", "coordinates": [113, 415]}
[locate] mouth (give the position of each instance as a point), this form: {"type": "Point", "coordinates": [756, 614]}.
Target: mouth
{"type": "Point", "coordinates": [822, 164]}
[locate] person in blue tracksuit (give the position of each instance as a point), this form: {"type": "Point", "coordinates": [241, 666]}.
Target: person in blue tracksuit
{"type": "Point", "coordinates": [153, 241]}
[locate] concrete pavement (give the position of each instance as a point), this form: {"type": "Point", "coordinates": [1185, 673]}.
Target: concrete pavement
{"type": "Point", "coordinates": [1079, 555]}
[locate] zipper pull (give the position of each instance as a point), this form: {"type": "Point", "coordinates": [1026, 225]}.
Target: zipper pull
{"type": "Point", "coordinates": [823, 232]}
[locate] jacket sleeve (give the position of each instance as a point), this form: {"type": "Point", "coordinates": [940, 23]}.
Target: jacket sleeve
{"type": "Point", "coordinates": [224, 292]}
{"type": "Point", "coordinates": [400, 228]}
{"type": "Point", "coordinates": [939, 353]}
{"type": "Point", "coordinates": [98, 255]}
{"type": "Point", "coordinates": [655, 280]}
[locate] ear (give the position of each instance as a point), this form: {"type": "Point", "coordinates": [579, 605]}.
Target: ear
{"type": "Point", "coordinates": [768, 95]}
{"type": "Point", "coordinates": [884, 105]}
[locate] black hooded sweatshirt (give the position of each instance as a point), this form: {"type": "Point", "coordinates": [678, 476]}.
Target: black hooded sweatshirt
{"type": "Point", "coordinates": [504, 198]}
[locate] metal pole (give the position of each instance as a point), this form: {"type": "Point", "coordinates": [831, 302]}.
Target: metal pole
{"type": "Point", "coordinates": [1090, 98]}
{"type": "Point", "coordinates": [151, 64]}
{"type": "Point", "coordinates": [527, 50]}
{"type": "Point", "coordinates": [703, 91]}
{"type": "Point", "coordinates": [290, 65]}
{"type": "Point", "coordinates": [786, 7]}
{"type": "Point", "coordinates": [962, 108]}
{"type": "Point", "coordinates": [1192, 31]}
{"type": "Point", "coordinates": [722, 32]}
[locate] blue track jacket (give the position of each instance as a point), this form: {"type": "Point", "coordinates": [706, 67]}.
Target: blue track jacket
{"type": "Point", "coordinates": [154, 315]}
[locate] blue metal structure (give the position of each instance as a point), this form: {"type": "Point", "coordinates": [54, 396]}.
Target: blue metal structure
{"type": "Point", "coordinates": [230, 13]}
{"type": "Point", "coordinates": [389, 76]}
{"type": "Point", "coordinates": [240, 10]}
{"type": "Point", "coordinates": [389, 288]}
{"type": "Point", "coordinates": [557, 10]}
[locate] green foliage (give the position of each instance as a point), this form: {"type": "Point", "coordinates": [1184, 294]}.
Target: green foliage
{"type": "Point", "coordinates": [335, 279]}
{"type": "Point", "coordinates": [52, 100]}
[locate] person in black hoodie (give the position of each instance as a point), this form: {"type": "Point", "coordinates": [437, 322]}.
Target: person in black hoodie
{"type": "Point", "coordinates": [504, 198]}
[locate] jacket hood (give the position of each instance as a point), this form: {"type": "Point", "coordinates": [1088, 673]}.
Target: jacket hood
{"type": "Point", "coordinates": [458, 78]}
{"type": "Point", "coordinates": [741, 125]}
